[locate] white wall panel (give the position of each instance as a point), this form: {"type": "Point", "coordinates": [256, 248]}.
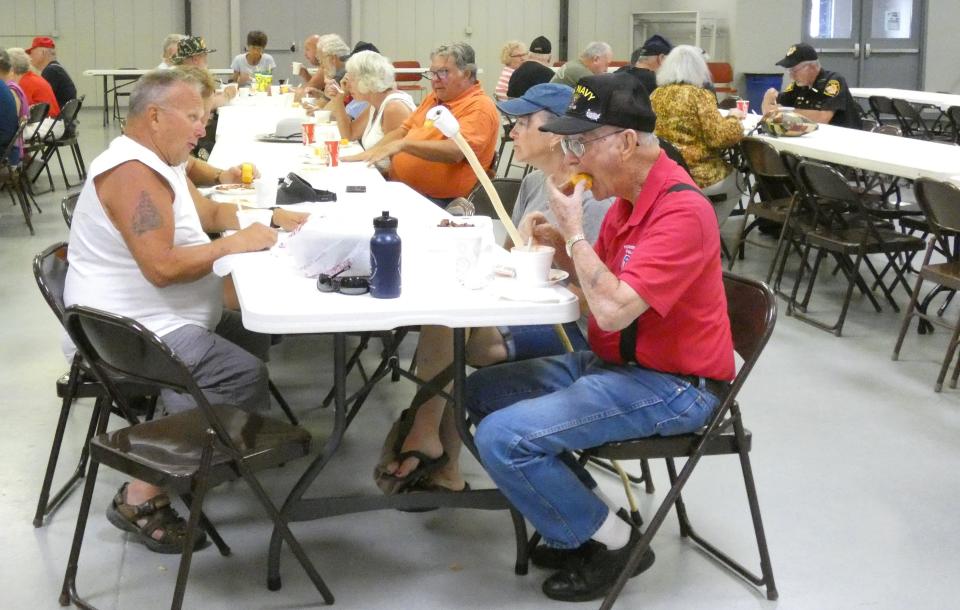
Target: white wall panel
{"type": "Point", "coordinates": [410, 29]}
{"type": "Point", "coordinates": [115, 33]}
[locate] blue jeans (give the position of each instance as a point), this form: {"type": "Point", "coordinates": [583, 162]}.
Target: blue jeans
{"type": "Point", "coordinates": [531, 413]}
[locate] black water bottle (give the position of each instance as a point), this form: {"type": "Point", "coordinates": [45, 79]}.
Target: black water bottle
{"type": "Point", "coordinates": [385, 258]}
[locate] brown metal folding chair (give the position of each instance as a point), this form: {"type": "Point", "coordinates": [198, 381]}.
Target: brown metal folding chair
{"type": "Point", "coordinates": [752, 308]}
{"type": "Point", "coordinates": [186, 453]}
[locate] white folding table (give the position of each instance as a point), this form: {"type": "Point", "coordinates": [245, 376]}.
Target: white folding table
{"type": "Point", "coordinates": [275, 297]}
{"type": "Point", "coordinates": [943, 101]}
{"type": "Point", "coordinates": [875, 152]}
{"type": "Point", "coordinates": [126, 76]}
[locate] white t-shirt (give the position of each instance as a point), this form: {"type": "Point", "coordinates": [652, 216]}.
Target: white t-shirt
{"type": "Point", "coordinates": [374, 131]}
{"type": "Point", "coordinates": [266, 64]}
{"type": "Point", "coordinates": [103, 272]}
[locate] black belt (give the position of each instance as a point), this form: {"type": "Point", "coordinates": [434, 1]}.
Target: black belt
{"type": "Point", "coordinates": [717, 388]}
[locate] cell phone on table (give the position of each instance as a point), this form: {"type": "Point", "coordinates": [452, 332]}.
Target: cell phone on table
{"type": "Point", "coordinates": [356, 189]}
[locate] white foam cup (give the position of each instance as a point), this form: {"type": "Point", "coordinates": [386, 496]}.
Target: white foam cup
{"type": "Point", "coordinates": [531, 264]}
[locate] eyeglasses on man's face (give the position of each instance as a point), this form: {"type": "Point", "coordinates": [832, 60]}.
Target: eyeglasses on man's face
{"type": "Point", "coordinates": [441, 74]}
{"type": "Point", "coordinates": [578, 147]}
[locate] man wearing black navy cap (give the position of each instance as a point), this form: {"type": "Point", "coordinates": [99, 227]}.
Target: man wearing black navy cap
{"type": "Point", "coordinates": [816, 93]}
{"type": "Point", "coordinates": [660, 344]}
{"type": "Point", "coordinates": [647, 59]}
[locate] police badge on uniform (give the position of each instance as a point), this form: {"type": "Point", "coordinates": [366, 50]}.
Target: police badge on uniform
{"type": "Point", "coordinates": [833, 88]}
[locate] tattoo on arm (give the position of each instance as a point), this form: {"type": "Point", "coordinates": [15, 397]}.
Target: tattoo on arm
{"type": "Point", "coordinates": [146, 217]}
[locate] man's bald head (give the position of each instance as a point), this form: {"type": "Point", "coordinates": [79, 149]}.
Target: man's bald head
{"type": "Point", "coordinates": [310, 46]}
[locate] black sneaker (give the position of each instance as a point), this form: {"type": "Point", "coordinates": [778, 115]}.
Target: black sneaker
{"type": "Point", "coordinates": [594, 574]}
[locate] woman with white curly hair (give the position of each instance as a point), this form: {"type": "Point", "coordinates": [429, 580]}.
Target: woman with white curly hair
{"type": "Point", "coordinates": [369, 78]}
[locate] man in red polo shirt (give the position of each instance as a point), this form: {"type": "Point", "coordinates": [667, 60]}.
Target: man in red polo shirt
{"type": "Point", "coordinates": [660, 343]}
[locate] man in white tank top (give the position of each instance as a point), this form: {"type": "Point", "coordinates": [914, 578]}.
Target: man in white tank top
{"type": "Point", "coordinates": [138, 247]}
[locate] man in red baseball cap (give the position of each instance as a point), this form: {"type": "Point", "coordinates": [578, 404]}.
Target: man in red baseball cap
{"type": "Point", "coordinates": [43, 57]}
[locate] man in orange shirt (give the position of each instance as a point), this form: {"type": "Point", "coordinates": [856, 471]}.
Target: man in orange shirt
{"type": "Point", "coordinates": [422, 157]}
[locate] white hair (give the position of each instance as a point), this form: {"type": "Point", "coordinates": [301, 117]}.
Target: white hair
{"type": "Point", "coordinates": [646, 139]}
{"type": "Point", "coordinates": [370, 72]}
{"type": "Point", "coordinates": [684, 64]}
{"type": "Point", "coordinates": [333, 45]}
{"type": "Point", "coordinates": [596, 49]}
{"type": "Point", "coordinates": [169, 48]}
{"type": "Point", "coordinates": [19, 60]}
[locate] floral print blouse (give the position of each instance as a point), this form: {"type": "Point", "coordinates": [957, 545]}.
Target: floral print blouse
{"type": "Point", "coordinates": [687, 116]}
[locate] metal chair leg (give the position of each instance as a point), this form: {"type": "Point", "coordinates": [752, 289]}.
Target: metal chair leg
{"type": "Point", "coordinates": [523, 550]}
{"type": "Point", "coordinates": [275, 392]}
{"type": "Point", "coordinates": [68, 593]}
{"type": "Point", "coordinates": [199, 485]}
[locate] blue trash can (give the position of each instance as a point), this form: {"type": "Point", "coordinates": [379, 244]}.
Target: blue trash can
{"type": "Point", "coordinates": [757, 85]}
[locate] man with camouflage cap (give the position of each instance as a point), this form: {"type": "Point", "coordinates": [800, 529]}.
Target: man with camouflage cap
{"type": "Point", "coordinates": [192, 51]}
{"type": "Point", "coordinates": [816, 93]}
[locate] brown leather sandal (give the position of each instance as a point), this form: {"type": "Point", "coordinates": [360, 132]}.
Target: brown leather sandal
{"type": "Point", "coordinates": [156, 514]}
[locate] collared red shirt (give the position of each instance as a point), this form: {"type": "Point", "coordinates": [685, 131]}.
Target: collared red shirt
{"type": "Point", "coordinates": [829, 91]}
{"type": "Point", "coordinates": [479, 125]}
{"type": "Point", "coordinates": [666, 246]}
{"type": "Point", "coordinates": [39, 90]}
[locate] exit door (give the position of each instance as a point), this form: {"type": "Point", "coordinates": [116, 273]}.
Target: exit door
{"type": "Point", "coordinates": [872, 43]}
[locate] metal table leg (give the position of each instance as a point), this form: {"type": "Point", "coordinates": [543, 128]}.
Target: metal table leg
{"type": "Point", "coordinates": [297, 508]}
{"type": "Point", "coordinates": [106, 103]}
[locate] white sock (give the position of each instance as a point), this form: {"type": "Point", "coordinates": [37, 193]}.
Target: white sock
{"type": "Point", "coordinates": [614, 533]}
{"type": "Point", "coordinates": [613, 506]}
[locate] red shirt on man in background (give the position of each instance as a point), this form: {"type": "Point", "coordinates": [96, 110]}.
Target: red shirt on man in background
{"type": "Point", "coordinates": [39, 90]}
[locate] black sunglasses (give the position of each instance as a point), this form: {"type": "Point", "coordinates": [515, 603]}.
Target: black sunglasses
{"type": "Point", "coordinates": [350, 284]}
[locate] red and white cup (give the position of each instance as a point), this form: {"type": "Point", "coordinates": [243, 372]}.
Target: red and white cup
{"type": "Point", "coordinates": [743, 106]}
{"type": "Point", "coordinates": [333, 152]}
{"type": "Point", "coordinates": [307, 133]}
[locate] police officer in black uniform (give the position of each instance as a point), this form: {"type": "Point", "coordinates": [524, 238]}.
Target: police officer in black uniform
{"type": "Point", "coordinates": [816, 93]}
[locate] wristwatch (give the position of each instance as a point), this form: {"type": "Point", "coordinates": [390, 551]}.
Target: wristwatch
{"type": "Point", "coordinates": [273, 211]}
{"type": "Point", "coordinates": [573, 240]}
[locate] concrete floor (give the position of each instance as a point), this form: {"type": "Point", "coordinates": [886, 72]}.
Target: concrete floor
{"type": "Point", "coordinates": [856, 461]}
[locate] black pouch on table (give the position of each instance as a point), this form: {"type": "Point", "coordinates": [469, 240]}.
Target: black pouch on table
{"type": "Point", "coordinates": [294, 189]}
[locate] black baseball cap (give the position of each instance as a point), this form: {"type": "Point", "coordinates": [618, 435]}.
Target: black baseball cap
{"type": "Point", "coordinates": [617, 99]}
{"type": "Point", "coordinates": [798, 53]}
{"type": "Point", "coordinates": [364, 46]}
{"type": "Point", "coordinates": [655, 45]}
{"type": "Point", "coordinates": [541, 45]}
{"type": "Point", "coordinates": [529, 73]}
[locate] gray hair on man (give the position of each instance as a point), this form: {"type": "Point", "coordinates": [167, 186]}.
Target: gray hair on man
{"type": "Point", "coordinates": [371, 72]}
{"type": "Point", "coordinates": [5, 65]}
{"type": "Point", "coordinates": [596, 49]}
{"type": "Point", "coordinates": [155, 86]}
{"type": "Point", "coordinates": [463, 55]}
{"type": "Point", "coordinates": [646, 139]}
{"type": "Point", "coordinates": [19, 60]}
{"type": "Point", "coordinates": [169, 48]}
{"type": "Point", "coordinates": [684, 64]}
{"type": "Point", "coordinates": [332, 44]}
